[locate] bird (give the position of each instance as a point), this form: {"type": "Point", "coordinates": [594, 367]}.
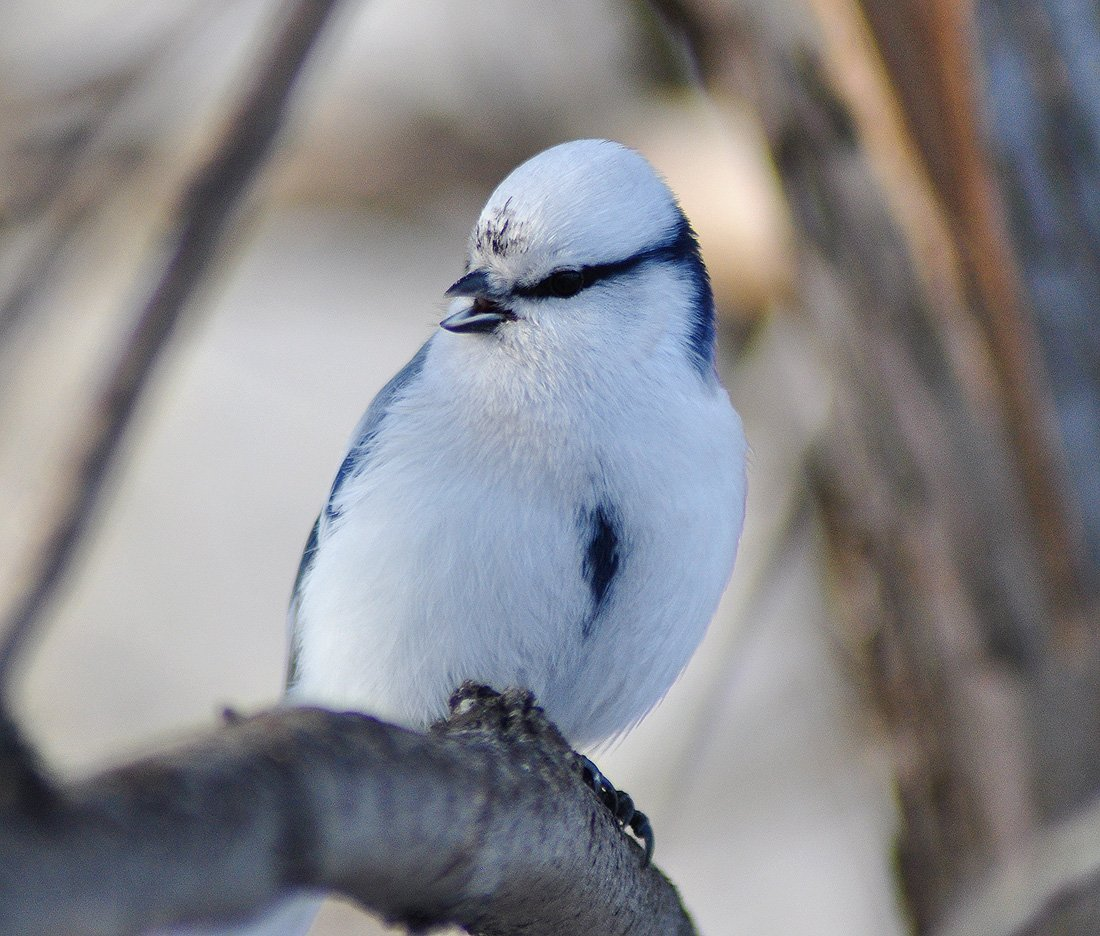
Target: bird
{"type": "Point", "coordinates": [550, 494]}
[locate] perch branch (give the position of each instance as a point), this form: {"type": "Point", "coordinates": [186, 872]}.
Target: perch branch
{"type": "Point", "coordinates": [484, 823]}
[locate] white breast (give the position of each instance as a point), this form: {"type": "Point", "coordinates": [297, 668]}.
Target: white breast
{"type": "Point", "coordinates": [459, 552]}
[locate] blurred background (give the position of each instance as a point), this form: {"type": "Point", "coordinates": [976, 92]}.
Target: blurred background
{"type": "Point", "coordinates": [897, 710]}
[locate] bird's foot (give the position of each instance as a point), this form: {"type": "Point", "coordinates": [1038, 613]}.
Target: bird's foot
{"type": "Point", "coordinates": [620, 804]}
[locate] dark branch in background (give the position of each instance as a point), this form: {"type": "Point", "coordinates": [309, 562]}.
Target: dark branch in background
{"type": "Point", "coordinates": [484, 824]}
{"type": "Point", "coordinates": [933, 65]}
{"type": "Point", "coordinates": [206, 210]}
{"type": "Point", "coordinates": [1027, 895]}
{"type": "Point", "coordinates": [68, 187]}
{"type": "Point", "coordinates": [952, 541]}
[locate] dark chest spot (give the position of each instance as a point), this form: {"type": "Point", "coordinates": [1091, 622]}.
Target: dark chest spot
{"type": "Point", "coordinates": [601, 559]}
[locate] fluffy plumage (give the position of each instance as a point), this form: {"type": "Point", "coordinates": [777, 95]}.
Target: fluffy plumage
{"type": "Point", "coordinates": [551, 493]}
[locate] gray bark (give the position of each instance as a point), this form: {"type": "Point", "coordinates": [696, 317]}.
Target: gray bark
{"type": "Point", "coordinates": [484, 823]}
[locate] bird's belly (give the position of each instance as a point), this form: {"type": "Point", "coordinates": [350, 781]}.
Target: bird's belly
{"type": "Point", "coordinates": [409, 596]}
{"type": "Point", "coordinates": [399, 611]}
{"type": "Point", "coordinates": [406, 601]}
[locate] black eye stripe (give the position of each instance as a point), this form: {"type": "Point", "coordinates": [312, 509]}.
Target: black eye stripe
{"type": "Point", "coordinates": [584, 277]}
{"type": "Point", "coordinates": [562, 283]}
{"type": "Point", "coordinates": [580, 279]}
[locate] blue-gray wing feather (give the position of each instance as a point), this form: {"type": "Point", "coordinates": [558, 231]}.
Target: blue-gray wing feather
{"type": "Point", "coordinates": [356, 460]}
{"type": "Point", "coordinates": [369, 426]}
{"type": "Point", "coordinates": [296, 599]}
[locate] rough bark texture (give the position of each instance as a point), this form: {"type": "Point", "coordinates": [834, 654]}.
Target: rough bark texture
{"type": "Point", "coordinates": [485, 824]}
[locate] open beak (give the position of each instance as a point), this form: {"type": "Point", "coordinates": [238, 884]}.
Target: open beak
{"type": "Point", "coordinates": [484, 314]}
{"type": "Point", "coordinates": [475, 283]}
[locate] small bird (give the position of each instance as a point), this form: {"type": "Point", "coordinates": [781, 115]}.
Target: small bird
{"type": "Point", "coordinates": [550, 494]}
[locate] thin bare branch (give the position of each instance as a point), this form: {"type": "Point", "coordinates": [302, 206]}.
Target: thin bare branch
{"type": "Point", "coordinates": [207, 208]}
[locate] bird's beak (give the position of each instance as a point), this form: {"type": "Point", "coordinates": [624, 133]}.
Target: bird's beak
{"type": "Point", "coordinates": [484, 314]}
{"type": "Point", "coordinates": [474, 283]}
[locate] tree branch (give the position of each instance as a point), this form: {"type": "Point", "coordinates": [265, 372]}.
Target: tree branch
{"type": "Point", "coordinates": [485, 823]}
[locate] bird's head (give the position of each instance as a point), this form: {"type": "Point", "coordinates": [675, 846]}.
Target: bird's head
{"type": "Point", "coordinates": [585, 242]}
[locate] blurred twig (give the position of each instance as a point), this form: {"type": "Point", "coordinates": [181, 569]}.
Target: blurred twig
{"type": "Point", "coordinates": [206, 209]}
{"type": "Point", "coordinates": [73, 169]}
{"type": "Point", "coordinates": [1020, 896]}
{"type": "Point", "coordinates": [74, 183]}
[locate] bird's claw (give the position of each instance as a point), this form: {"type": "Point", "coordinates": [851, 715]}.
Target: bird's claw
{"type": "Point", "coordinates": [621, 806]}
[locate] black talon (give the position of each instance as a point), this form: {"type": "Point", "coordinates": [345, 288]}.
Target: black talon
{"type": "Point", "coordinates": [625, 812]}
{"type": "Point", "coordinates": [639, 825]}
{"type": "Point", "coordinates": [603, 787]}
{"type": "Point", "coordinates": [621, 806]}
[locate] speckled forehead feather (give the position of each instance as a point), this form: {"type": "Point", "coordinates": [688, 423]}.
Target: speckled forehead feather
{"type": "Point", "coordinates": [576, 201]}
{"type": "Point", "coordinates": [500, 232]}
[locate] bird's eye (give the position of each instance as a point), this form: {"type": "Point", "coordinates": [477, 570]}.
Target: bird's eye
{"type": "Point", "coordinates": [564, 283]}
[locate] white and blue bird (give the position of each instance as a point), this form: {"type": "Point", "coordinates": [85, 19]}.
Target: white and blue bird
{"type": "Point", "coordinates": [550, 494]}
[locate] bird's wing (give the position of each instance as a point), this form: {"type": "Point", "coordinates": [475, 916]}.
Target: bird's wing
{"type": "Point", "coordinates": [296, 600]}
{"type": "Point", "coordinates": [362, 440]}
{"type": "Point", "coordinates": [356, 459]}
